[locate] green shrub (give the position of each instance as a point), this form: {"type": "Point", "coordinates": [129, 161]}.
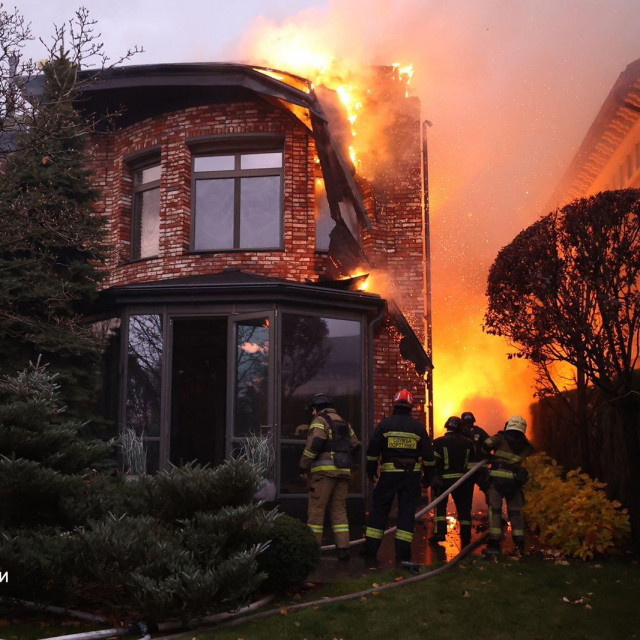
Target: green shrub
{"type": "Point", "coordinates": [180, 492]}
{"type": "Point", "coordinates": [33, 495]}
{"type": "Point", "coordinates": [39, 565]}
{"type": "Point", "coordinates": [205, 565]}
{"type": "Point", "coordinates": [292, 554]}
{"type": "Point", "coordinates": [573, 514]}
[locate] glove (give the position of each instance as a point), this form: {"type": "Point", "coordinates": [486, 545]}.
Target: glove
{"type": "Point", "coordinates": [372, 470]}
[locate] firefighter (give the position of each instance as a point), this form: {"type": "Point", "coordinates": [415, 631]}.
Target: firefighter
{"type": "Point", "coordinates": [400, 451]}
{"type": "Point", "coordinates": [478, 436]}
{"type": "Point", "coordinates": [326, 467]}
{"type": "Point", "coordinates": [453, 453]}
{"type": "Point", "coordinates": [506, 478]}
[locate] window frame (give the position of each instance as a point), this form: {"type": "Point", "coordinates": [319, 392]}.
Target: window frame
{"type": "Point", "coordinates": [245, 148]}
{"type": "Point", "coordinates": [150, 160]}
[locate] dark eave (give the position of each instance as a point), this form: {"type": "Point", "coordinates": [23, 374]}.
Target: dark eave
{"type": "Point", "coordinates": [236, 287]}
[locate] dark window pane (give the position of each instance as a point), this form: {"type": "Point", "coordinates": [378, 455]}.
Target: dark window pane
{"type": "Point", "coordinates": [152, 448]}
{"type": "Point", "coordinates": [214, 215]}
{"type": "Point", "coordinates": [252, 383]}
{"type": "Point", "coordinates": [260, 212]}
{"type": "Point", "coordinates": [320, 355]}
{"type": "Point", "coordinates": [147, 204]}
{"type": "Point", "coordinates": [261, 161]}
{"type": "Point", "coordinates": [324, 222]}
{"type": "Point", "coordinates": [146, 175]}
{"type": "Point", "coordinates": [198, 390]}
{"type": "Point", "coordinates": [144, 373]}
{"type": "Point", "coordinates": [290, 480]}
{"type": "Point", "coordinates": [214, 163]}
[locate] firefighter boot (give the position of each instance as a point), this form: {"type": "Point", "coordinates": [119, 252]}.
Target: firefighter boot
{"type": "Point", "coordinates": [343, 554]}
{"type": "Point", "coordinates": [518, 552]}
{"type": "Point", "coordinates": [492, 550]}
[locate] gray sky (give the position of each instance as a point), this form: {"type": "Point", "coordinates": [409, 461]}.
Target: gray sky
{"type": "Point", "coordinates": [511, 87]}
{"type": "Point", "coordinates": [186, 31]}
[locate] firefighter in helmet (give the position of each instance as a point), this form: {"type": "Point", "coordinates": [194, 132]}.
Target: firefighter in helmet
{"type": "Point", "coordinates": [453, 453]}
{"type": "Point", "coordinates": [509, 448]}
{"type": "Point", "coordinates": [478, 436]}
{"type": "Point", "coordinates": [326, 466]}
{"type": "Point", "coordinates": [400, 453]}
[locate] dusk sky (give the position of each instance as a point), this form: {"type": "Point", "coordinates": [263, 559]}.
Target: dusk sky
{"type": "Point", "coordinates": [511, 87]}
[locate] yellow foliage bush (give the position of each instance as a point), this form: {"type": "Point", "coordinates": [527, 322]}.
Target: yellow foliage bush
{"type": "Point", "coordinates": [572, 514]}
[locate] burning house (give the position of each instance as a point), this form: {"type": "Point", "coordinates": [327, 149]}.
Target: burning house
{"type": "Point", "coordinates": [242, 240]}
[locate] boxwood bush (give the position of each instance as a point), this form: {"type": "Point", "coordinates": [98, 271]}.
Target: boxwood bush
{"type": "Point", "coordinates": [292, 554]}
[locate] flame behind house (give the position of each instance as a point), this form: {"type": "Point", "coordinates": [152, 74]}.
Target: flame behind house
{"type": "Point", "coordinates": [510, 90]}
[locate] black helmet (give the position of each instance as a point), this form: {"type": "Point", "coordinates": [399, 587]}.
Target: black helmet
{"type": "Point", "coordinates": [320, 401]}
{"type": "Point", "coordinates": [467, 416]}
{"type": "Point", "coordinates": [453, 424]}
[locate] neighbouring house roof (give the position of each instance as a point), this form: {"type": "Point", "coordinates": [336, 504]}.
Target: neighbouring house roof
{"type": "Point", "coordinates": [618, 114]}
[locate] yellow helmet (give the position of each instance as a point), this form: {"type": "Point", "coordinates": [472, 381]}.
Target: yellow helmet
{"type": "Point", "coordinates": [517, 423]}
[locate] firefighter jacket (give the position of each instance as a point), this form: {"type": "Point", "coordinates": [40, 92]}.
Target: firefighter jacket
{"type": "Point", "coordinates": [478, 436]}
{"type": "Point", "coordinates": [330, 443]}
{"type": "Point", "coordinates": [400, 443]}
{"type": "Point", "coordinates": [453, 454]}
{"type": "Point", "coordinates": [509, 448]}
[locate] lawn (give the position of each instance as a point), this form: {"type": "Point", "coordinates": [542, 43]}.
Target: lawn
{"type": "Point", "coordinates": [523, 599]}
{"type": "Point", "coordinates": [527, 599]}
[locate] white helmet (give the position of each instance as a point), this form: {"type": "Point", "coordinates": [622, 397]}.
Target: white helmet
{"type": "Point", "coordinates": [517, 423]}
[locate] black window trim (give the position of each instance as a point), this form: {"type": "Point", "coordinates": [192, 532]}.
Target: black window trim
{"type": "Point", "coordinates": [139, 162]}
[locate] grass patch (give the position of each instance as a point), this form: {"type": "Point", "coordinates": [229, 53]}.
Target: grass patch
{"type": "Point", "coordinates": [531, 599]}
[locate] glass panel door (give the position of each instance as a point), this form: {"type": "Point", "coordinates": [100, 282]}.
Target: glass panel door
{"type": "Point", "coordinates": [251, 373]}
{"type": "Point", "coordinates": [144, 383]}
{"type": "Point", "coordinates": [317, 355]}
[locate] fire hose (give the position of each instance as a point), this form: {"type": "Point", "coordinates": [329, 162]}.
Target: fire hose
{"type": "Point", "coordinates": [476, 467]}
{"type": "Point", "coordinates": [349, 596]}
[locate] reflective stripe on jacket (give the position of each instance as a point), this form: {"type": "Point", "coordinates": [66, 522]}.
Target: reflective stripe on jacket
{"type": "Point", "coordinates": [401, 443]}
{"type": "Point", "coordinates": [453, 452]}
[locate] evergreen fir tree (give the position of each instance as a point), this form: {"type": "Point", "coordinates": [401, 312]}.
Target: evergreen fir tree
{"type": "Point", "coordinates": [44, 456]}
{"type": "Point", "coordinates": [50, 241]}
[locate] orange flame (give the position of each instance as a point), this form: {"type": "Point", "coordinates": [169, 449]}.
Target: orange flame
{"type": "Point", "coordinates": [298, 49]}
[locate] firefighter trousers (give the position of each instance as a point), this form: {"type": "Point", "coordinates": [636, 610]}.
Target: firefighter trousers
{"type": "Point", "coordinates": [329, 491]}
{"type": "Point", "coordinates": [406, 485]}
{"type": "Point", "coordinates": [463, 500]}
{"type": "Point", "coordinates": [511, 491]}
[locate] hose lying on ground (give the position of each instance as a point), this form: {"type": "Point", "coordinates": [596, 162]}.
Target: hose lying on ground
{"type": "Point", "coordinates": [349, 596]}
